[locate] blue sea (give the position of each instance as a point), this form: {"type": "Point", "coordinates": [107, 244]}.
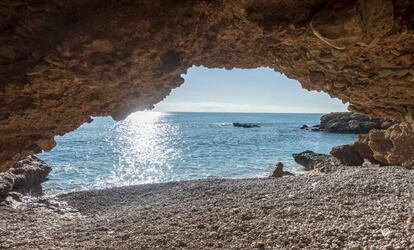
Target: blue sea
{"type": "Point", "coordinates": [152, 147]}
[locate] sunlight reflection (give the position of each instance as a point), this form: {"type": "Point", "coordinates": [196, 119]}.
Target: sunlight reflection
{"type": "Point", "coordinates": [144, 146]}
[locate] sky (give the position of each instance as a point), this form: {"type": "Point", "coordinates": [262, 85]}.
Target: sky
{"type": "Point", "coordinates": [259, 90]}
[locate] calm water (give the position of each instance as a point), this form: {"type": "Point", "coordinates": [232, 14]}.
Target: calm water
{"type": "Point", "coordinates": [151, 147]}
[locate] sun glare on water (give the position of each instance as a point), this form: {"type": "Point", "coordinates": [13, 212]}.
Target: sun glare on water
{"type": "Point", "coordinates": [144, 146]}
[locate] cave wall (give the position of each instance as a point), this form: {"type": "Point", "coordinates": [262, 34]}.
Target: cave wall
{"type": "Point", "coordinates": [62, 62]}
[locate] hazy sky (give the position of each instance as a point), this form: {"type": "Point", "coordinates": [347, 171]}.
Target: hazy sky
{"type": "Point", "coordinates": [245, 90]}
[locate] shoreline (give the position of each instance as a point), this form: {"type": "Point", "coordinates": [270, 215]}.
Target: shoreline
{"type": "Point", "coordinates": [353, 207]}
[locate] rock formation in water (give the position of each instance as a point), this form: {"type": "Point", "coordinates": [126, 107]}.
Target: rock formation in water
{"type": "Point", "coordinates": [245, 125]}
{"type": "Point", "coordinates": [348, 122]}
{"type": "Point", "coordinates": [25, 176]}
{"type": "Point", "coordinates": [65, 61]}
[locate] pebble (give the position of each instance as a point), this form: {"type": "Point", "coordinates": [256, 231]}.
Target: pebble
{"type": "Point", "coordinates": [268, 213]}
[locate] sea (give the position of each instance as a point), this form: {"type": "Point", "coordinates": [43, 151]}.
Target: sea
{"type": "Point", "coordinates": [154, 147]}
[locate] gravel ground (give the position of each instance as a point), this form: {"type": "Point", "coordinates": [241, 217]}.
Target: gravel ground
{"type": "Point", "coordinates": [353, 208]}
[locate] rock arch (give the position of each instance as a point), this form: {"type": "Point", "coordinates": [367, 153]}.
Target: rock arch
{"type": "Point", "coordinates": [65, 61]}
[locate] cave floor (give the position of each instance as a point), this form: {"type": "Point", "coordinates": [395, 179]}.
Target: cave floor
{"type": "Point", "coordinates": [351, 208]}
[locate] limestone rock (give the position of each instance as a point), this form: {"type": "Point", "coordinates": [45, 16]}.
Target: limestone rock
{"type": "Point", "coordinates": [348, 122]}
{"type": "Point", "coordinates": [393, 146]}
{"type": "Point", "coordinates": [343, 25]}
{"type": "Point", "coordinates": [310, 159]}
{"type": "Point", "coordinates": [386, 147]}
{"type": "Point", "coordinates": [347, 155]}
{"type": "Point", "coordinates": [24, 176]}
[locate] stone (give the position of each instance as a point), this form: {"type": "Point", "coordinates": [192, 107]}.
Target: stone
{"type": "Point", "coordinates": [278, 172]}
{"type": "Point", "coordinates": [245, 125]}
{"type": "Point", "coordinates": [316, 128]}
{"type": "Point", "coordinates": [6, 183]}
{"type": "Point", "coordinates": [393, 146]}
{"type": "Point", "coordinates": [344, 25]}
{"type": "Point", "coordinates": [348, 122]}
{"type": "Point", "coordinates": [15, 196]}
{"type": "Point", "coordinates": [347, 155]}
{"type": "Point", "coordinates": [25, 176]}
{"type": "Point", "coordinates": [304, 126]}
{"type": "Point", "coordinates": [309, 159]}
{"type": "Point", "coordinates": [355, 247]}
{"type": "Point", "coordinates": [369, 164]}
{"type": "Point", "coordinates": [384, 147]}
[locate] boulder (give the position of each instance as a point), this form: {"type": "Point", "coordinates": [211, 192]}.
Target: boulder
{"type": "Point", "coordinates": [393, 146]}
{"type": "Point", "coordinates": [347, 155]}
{"type": "Point", "coordinates": [25, 176]}
{"type": "Point", "coordinates": [348, 122]}
{"type": "Point", "coordinates": [310, 159]}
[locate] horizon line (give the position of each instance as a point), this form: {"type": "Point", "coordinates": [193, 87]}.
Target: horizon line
{"type": "Point", "coordinates": [242, 112]}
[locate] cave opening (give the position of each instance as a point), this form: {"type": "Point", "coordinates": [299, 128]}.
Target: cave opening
{"type": "Point", "coordinates": [189, 135]}
{"type": "Point", "coordinates": [64, 63]}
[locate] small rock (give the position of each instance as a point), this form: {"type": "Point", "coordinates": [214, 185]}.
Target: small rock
{"type": "Point", "coordinates": [15, 196]}
{"type": "Point", "coordinates": [385, 232]}
{"type": "Point", "coordinates": [278, 172]}
{"type": "Point", "coordinates": [369, 164]}
{"type": "Point", "coordinates": [304, 126]}
{"type": "Point", "coordinates": [355, 247]}
{"type": "Point", "coordinates": [259, 245]}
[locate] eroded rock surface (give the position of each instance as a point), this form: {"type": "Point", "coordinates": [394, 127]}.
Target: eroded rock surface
{"type": "Point", "coordinates": [393, 146]}
{"type": "Point", "coordinates": [347, 155]}
{"type": "Point", "coordinates": [310, 160]}
{"type": "Point", "coordinates": [25, 176]}
{"type": "Point", "coordinates": [65, 61]}
{"type": "Point", "coordinates": [348, 122]}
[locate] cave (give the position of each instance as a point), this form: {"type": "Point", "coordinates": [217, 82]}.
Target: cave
{"type": "Point", "coordinates": [62, 63]}
{"type": "Point", "coordinates": [65, 62]}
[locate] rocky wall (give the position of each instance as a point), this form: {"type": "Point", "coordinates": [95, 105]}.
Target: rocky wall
{"type": "Point", "coordinates": [62, 62]}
